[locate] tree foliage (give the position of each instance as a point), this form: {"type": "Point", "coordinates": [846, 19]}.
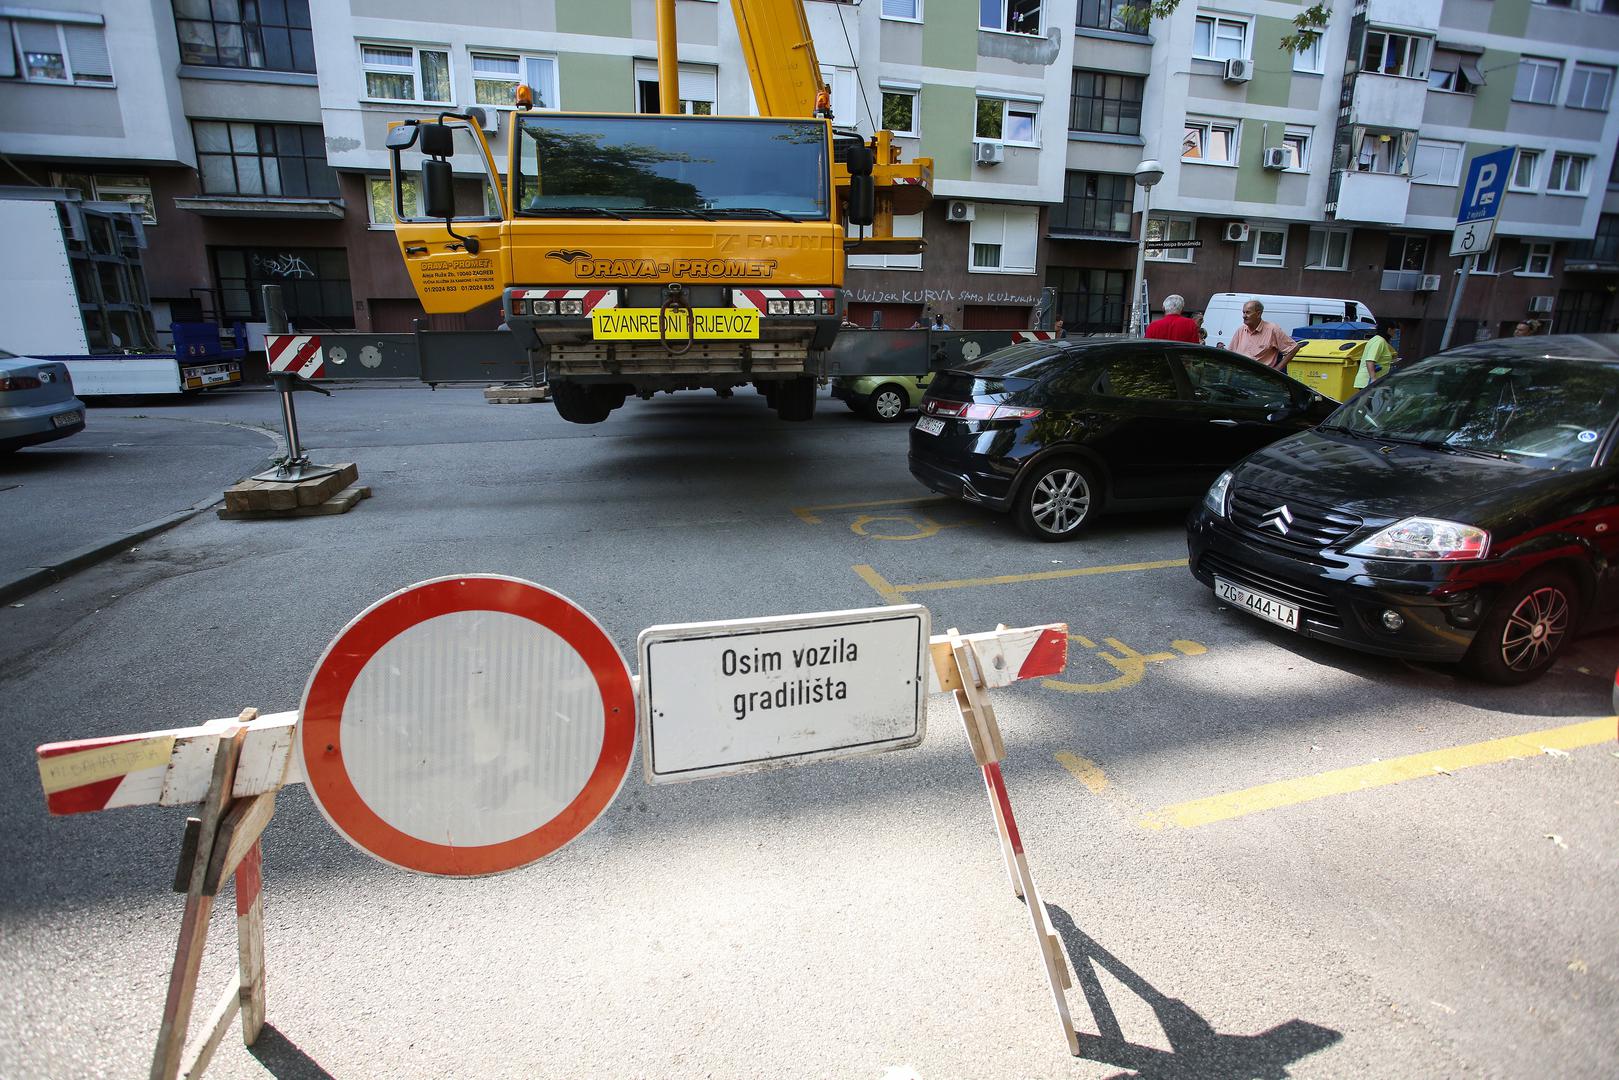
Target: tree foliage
{"type": "Point", "coordinates": [1309, 23]}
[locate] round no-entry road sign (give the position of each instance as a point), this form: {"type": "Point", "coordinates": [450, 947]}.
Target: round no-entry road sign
{"type": "Point", "coordinates": [467, 725]}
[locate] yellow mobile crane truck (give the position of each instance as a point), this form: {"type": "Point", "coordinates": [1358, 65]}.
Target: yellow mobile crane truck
{"type": "Point", "coordinates": [647, 252]}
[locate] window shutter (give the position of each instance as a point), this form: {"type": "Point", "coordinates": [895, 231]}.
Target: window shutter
{"type": "Point", "coordinates": [87, 52]}
{"type": "Point", "coordinates": [1018, 249]}
{"type": "Point", "coordinates": [38, 37]}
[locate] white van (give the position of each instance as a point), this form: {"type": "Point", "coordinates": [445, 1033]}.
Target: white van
{"type": "Point", "coordinates": [1223, 314]}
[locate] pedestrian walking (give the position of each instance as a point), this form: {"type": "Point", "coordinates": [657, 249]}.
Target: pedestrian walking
{"type": "Point", "coordinates": [1261, 340]}
{"type": "Point", "coordinates": [1174, 325]}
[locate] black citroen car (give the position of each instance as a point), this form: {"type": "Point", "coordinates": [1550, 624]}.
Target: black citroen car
{"type": "Point", "coordinates": [1464, 508]}
{"type": "Point", "coordinates": [1056, 431]}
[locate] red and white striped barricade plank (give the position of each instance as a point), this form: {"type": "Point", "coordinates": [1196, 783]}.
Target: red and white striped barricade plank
{"type": "Point", "coordinates": [1003, 656]}
{"type": "Point", "coordinates": [759, 299]}
{"type": "Point", "coordinates": [1033, 335]}
{"type": "Point", "coordinates": [590, 299]}
{"type": "Point", "coordinates": [300, 354]}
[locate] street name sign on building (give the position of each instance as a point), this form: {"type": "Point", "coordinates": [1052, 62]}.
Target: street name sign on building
{"type": "Point", "coordinates": [1482, 194]}
{"type": "Point", "coordinates": [467, 725]}
{"type": "Point", "coordinates": [719, 698]}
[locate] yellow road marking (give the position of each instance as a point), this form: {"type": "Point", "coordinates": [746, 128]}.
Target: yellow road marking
{"type": "Point", "coordinates": [1189, 815]}
{"type": "Point", "coordinates": [1043, 575]}
{"type": "Point", "coordinates": [1085, 770]}
{"type": "Point", "coordinates": [871, 577]}
{"type": "Point", "coordinates": [807, 514]}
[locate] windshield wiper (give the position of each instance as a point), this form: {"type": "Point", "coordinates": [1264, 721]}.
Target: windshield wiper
{"type": "Point", "coordinates": [1435, 444]}
{"type": "Point", "coordinates": [1346, 430]}
{"type": "Point", "coordinates": [767, 211]}
{"type": "Point", "coordinates": [546, 211]}
{"type": "Point", "coordinates": [672, 210]}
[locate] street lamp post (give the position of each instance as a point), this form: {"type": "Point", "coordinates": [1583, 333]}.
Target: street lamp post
{"type": "Point", "coordinates": [1148, 173]}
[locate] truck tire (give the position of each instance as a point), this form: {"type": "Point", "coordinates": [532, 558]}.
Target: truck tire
{"type": "Point", "coordinates": [795, 399]}
{"type": "Point", "coordinates": [580, 404]}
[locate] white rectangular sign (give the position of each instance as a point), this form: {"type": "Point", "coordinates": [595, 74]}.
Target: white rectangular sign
{"type": "Point", "coordinates": [1472, 238]}
{"type": "Point", "coordinates": [741, 696]}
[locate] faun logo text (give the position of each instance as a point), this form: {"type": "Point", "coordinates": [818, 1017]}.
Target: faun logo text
{"type": "Point", "coordinates": [688, 269]}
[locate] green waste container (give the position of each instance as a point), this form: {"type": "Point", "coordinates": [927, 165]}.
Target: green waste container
{"type": "Point", "coordinates": [1328, 366]}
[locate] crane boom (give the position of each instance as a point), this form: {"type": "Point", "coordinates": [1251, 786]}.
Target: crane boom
{"type": "Point", "coordinates": [781, 56]}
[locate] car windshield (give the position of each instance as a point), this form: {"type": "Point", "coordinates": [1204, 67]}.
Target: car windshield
{"type": "Point", "coordinates": [1544, 412]}
{"type": "Point", "coordinates": [672, 167]}
{"type": "Point", "coordinates": [7, 355]}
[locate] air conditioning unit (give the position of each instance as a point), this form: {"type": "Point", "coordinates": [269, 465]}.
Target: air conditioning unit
{"type": "Point", "coordinates": [488, 119]}
{"type": "Point", "coordinates": [1430, 283]}
{"type": "Point", "coordinates": [1275, 157]}
{"type": "Point", "coordinates": [1239, 70]}
{"type": "Point", "coordinates": [959, 211]}
{"type": "Point", "coordinates": [1542, 305]}
{"type": "Point", "coordinates": [990, 153]}
{"type": "Point", "coordinates": [1236, 231]}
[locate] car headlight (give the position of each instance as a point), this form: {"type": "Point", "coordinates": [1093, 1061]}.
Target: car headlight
{"type": "Point", "coordinates": [779, 307]}
{"type": "Point", "coordinates": [543, 307]}
{"type": "Point", "coordinates": [571, 307]}
{"type": "Point", "coordinates": [1215, 499]}
{"type": "Point", "coordinates": [1425, 538]}
{"type": "Point", "coordinates": [805, 307]}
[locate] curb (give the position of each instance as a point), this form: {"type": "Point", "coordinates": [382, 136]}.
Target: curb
{"type": "Point", "coordinates": [39, 577]}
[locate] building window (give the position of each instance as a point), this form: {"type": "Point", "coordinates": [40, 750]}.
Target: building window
{"type": "Point", "coordinates": [1484, 261]}
{"type": "Point", "coordinates": [406, 73]}
{"type": "Point", "coordinates": [904, 225]}
{"type": "Point", "coordinates": [1388, 53]}
{"type": "Point", "coordinates": [1437, 163]}
{"type": "Point", "coordinates": [1266, 246]}
{"type": "Point", "coordinates": [1406, 252]}
{"type": "Point", "coordinates": [314, 285]}
{"type": "Point", "coordinates": [1384, 152]}
{"type": "Point", "coordinates": [125, 188]}
{"type": "Point", "coordinates": [1525, 171]}
{"type": "Point", "coordinates": [1210, 142]}
{"type": "Point", "coordinates": [1602, 248]}
{"type": "Point", "coordinates": [1095, 204]}
{"type": "Point", "coordinates": [1455, 72]}
{"type": "Point", "coordinates": [1088, 301]}
{"type": "Point", "coordinates": [1537, 260]}
{"type": "Point", "coordinates": [1173, 230]}
{"type": "Point", "coordinates": [1106, 103]}
{"type": "Point", "coordinates": [1537, 81]}
{"type": "Point", "coordinates": [1008, 121]}
{"type": "Point", "coordinates": [1308, 59]}
{"type": "Point", "coordinates": [1218, 38]}
{"type": "Point", "coordinates": [271, 35]}
{"type": "Point", "coordinates": [263, 159]}
{"type": "Point", "coordinates": [1004, 238]}
{"type": "Point", "coordinates": [380, 199]}
{"type": "Point", "coordinates": [496, 76]}
{"type": "Point", "coordinates": [1568, 174]}
{"type": "Point", "coordinates": [899, 110]}
{"type": "Point", "coordinates": [698, 89]}
{"type": "Point", "coordinates": [1296, 141]}
{"type": "Point", "coordinates": [1013, 16]}
{"type": "Point", "coordinates": [48, 52]}
{"type": "Point", "coordinates": [904, 10]}
{"type": "Point", "coordinates": [1589, 86]}
{"type": "Point", "coordinates": [1328, 249]}
{"type": "Point", "coordinates": [1120, 16]}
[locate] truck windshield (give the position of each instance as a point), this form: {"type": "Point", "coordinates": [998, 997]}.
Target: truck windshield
{"type": "Point", "coordinates": [672, 166]}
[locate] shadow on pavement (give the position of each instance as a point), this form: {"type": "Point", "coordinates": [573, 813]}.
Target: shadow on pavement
{"type": "Point", "coordinates": [1198, 1051]}
{"type": "Point", "coordinates": [282, 1058]}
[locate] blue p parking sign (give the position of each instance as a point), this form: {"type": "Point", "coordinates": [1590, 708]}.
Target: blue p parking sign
{"type": "Point", "coordinates": [1486, 185]}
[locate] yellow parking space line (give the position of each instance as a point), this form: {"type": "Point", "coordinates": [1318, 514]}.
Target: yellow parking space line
{"type": "Point", "coordinates": [1042, 575]}
{"type": "Point", "coordinates": [871, 577]}
{"type": "Point", "coordinates": [1233, 804]}
{"type": "Point", "coordinates": [1085, 770]}
{"type": "Point", "coordinates": [808, 514]}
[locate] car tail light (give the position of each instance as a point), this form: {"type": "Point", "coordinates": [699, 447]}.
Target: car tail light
{"type": "Point", "coordinates": [519, 307]}
{"type": "Point", "coordinates": [967, 411]}
{"type": "Point", "coordinates": [935, 407]}
{"type": "Point", "coordinates": [19, 382]}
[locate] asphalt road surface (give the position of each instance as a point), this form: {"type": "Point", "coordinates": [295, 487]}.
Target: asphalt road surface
{"type": "Point", "coordinates": [1264, 856]}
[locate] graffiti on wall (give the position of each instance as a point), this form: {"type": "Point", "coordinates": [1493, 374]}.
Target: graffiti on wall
{"type": "Point", "coordinates": [938, 296]}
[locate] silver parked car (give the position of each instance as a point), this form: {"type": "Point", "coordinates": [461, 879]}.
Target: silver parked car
{"type": "Point", "coordinates": [36, 402]}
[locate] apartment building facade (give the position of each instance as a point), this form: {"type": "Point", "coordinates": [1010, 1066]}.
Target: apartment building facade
{"type": "Point", "coordinates": [252, 135]}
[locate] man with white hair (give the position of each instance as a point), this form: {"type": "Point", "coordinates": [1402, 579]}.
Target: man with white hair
{"type": "Point", "coordinates": [1174, 326]}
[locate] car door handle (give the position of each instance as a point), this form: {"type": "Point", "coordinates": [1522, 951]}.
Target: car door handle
{"type": "Point", "coordinates": [1224, 423]}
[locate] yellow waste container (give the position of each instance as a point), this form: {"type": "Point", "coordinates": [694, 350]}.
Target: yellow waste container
{"type": "Point", "coordinates": [1328, 366]}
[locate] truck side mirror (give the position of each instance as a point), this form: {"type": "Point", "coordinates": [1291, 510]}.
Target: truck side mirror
{"type": "Point", "coordinates": [862, 200]}
{"type": "Point", "coordinates": [438, 141]}
{"type": "Point", "coordinates": [438, 189]}
{"type": "Point", "coordinates": [402, 137]}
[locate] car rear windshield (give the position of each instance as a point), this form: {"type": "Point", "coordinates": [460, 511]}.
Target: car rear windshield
{"type": "Point", "coordinates": [672, 167]}
{"type": "Point", "coordinates": [1544, 412]}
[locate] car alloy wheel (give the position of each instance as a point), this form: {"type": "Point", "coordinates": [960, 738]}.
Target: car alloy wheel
{"type": "Point", "coordinates": [1535, 629]}
{"type": "Point", "coordinates": [1058, 501]}
{"type": "Point", "coordinates": [888, 403]}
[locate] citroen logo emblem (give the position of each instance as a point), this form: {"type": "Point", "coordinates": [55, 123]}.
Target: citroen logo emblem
{"type": "Point", "coordinates": [1278, 519]}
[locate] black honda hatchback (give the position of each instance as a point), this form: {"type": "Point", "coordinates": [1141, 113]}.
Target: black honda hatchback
{"type": "Point", "coordinates": [1054, 431]}
{"type": "Point", "coordinates": [1464, 508]}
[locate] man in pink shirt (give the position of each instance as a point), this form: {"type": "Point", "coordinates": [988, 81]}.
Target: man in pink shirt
{"type": "Point", "coordinates": [1264, 341]}
{"type": "Point", "coordinates": [1174, 326]}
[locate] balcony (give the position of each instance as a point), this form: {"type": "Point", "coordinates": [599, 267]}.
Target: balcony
{"type": "Point", "coordinates": [1378, 198]}
{"type": "Point", "coordinates": [1389, 101]}
{"type": "Point", "coordinates": [1404, 14]}
{"type": "Point", "coordinates": [271, 207]}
